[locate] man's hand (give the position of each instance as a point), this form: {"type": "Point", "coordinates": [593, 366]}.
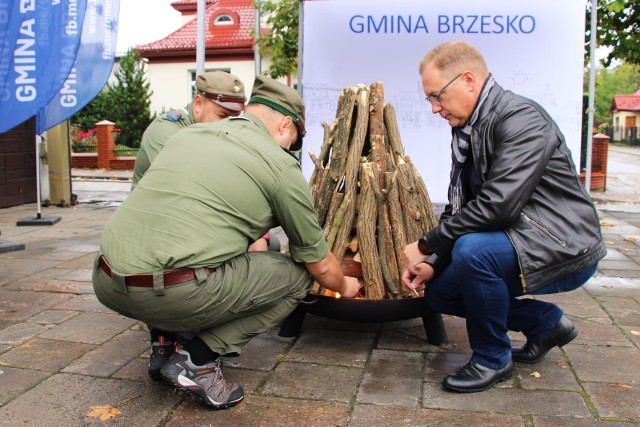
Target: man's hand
{"type": "Point", "coordinates": [351, 287]}
{"type": "Point", "coordinates": [412, 257]}
{"type": "Point", "coordinates": [328, 274]}
{"type": "Point", "coordinates": [425, 273]}
{"type": "Point", "coordinates": [259, 245]}
{"type": "Point", "coordinates": [416, 272]}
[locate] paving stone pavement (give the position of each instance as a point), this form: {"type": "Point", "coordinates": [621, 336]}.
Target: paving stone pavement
{"type": "Point", "coordinates": [62, 352]}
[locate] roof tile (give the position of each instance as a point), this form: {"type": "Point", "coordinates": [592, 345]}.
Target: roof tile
{"type": "Point", "coordinates": [626, 102]}
{"type": "Point", "coordinates": [238, 35]}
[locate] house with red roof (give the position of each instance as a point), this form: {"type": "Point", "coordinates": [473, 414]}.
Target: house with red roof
{"type": "Point", "coordinates": [626, 116]}
{"type": "Point", "coordinates": [229, 46]}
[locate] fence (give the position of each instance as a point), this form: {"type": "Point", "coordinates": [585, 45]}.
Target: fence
{"type": "Point", "coordinates": [106, 156]}
{"type": "Point", "coordinates": [626, 135]}
{"type": "Point", "coordinates": [599, 155]}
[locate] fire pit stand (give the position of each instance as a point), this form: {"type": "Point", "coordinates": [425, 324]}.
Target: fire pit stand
{"type": "Point", "coordinates": [361, 310]}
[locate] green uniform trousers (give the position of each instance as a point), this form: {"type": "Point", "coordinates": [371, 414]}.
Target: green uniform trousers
{"type": "Point", "coordinates": [245, 296]}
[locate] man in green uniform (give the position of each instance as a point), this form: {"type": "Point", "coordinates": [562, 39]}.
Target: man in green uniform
{"type": "Point", "coordinates": [218, 95]}
{"type": "Point", "coordinates": [174, 254]}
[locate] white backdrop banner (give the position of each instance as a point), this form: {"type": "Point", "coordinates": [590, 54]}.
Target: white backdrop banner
{"type": "Point", "coordinates": [535, 49]}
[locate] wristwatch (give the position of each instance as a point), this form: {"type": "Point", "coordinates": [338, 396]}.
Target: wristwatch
{"type": "Point", "coordinates": [423, 246]}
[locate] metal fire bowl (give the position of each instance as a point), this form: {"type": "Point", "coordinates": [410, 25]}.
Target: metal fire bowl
{"type": "Point", "coordinates": [363, 310]}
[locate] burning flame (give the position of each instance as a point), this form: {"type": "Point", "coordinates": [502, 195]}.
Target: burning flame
{"type": "Point", "coordinates": [337, 295]}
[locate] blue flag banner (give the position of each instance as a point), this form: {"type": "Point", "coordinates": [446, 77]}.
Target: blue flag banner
{"type": "Point", "coordinates": [38, 44]}
{"type": "Point", "coordinates": [92, 66]}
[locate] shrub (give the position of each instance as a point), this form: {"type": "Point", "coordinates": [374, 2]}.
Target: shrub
{"type": "Point", "coordinates": [83, 141]}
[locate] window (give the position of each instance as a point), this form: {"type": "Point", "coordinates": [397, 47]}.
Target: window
{"type": "Point", "coordinates": [223, 20]}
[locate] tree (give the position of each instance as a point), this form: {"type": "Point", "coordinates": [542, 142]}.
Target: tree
{"type": "Point", "coordinates": [96, 110]}
{"type": "Point", "coordinates": [621, 80]}
{"type": "Point", "coordinates": [282, 40]}
{"type": "Point", "coordinates": [618, 30]}
{"type": "Point", "coordinates": [125, 102]}
{"type": "Point", "coordinates": [131, 92]}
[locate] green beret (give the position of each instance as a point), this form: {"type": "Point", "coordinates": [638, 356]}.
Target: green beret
{"type": "Point", "coordinates": [223, 88]}
{"type": "Point", "coordinates": [281, 98]}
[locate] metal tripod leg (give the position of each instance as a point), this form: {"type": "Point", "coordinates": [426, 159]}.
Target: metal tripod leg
{"type": "Point", "coordinates": [292, 324]}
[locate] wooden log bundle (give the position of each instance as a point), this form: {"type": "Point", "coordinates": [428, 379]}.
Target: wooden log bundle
{"type": "Point", "coordinates": [370, 199]}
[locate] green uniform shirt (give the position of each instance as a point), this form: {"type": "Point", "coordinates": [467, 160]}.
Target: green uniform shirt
{"type": "Point", "coordinates": [156, 136]}
{"type": "Point", "coordinates": [212, 190]}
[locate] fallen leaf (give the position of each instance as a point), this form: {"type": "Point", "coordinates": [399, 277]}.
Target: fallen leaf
{"type": "Point", "coordinates": [104, 412]}
{"type": "Point", "coordinates": [630, 239]}
{"type": "Point", "coordinates": [621, 385]}
{"type": "Point", "coordinates": [637, 333]}
{"type": "Point", "coordinates": [535, 374]}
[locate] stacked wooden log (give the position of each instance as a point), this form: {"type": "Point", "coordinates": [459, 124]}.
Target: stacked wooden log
{"type": "Point", "coordinates": [370, 199]}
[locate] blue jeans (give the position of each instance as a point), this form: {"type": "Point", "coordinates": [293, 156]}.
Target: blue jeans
{"type": "Point", "coordinates": [482, 285]}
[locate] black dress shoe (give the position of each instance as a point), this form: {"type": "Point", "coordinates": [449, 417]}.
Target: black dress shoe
{"type": "Point", "coordinates": [474, 377]}
{"type": "Point", "coordinates": [533, 351]}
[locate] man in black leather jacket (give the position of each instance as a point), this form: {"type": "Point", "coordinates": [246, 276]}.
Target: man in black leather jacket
{"type": "Point", "coordinates": [518, 221]}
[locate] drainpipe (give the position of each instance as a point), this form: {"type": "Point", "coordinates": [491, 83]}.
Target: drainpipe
{"type": "Point", "coordinates": [257, 59]}
{"type": "Point", "coordinates": [200, 37]}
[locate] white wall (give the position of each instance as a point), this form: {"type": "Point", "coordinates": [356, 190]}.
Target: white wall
{"type": "Point", "coordinates": [170, 82]}
{"type": "Point", "coordinates": [622, 118]}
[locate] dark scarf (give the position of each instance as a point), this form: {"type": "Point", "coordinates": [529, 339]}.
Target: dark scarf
{"type": "Point", "coordinates": [460, 151]}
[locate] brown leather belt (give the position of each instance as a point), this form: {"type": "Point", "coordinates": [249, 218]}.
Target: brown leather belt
{"type": "Point", "coordinates": [146, 280]}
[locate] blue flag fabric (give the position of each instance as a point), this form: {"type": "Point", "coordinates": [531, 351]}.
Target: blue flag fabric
{"type": "Point", "coordinates": [92, 66]}
{"type": "Point", "coordinates": [38, 44]}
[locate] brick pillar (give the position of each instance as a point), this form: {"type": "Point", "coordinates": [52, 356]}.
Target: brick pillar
{"type": "Point", "coordinates": [106, 143]}
{"type": "Point", "coordinates": [599, 155]}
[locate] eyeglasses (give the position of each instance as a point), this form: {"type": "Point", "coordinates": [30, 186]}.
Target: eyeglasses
{"type": "Point", "coordinates": [435, 98]}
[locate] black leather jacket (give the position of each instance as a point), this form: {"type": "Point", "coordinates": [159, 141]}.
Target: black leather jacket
{"type": "Point", "coordinates": [528, 188]}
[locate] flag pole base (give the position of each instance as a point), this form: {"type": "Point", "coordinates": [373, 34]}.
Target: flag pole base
{"type": "Point", "coordinates": [7, 246]}
{"type": "Point", "coordinates": [38, 221]}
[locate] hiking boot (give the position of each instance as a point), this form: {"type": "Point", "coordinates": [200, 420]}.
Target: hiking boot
{"type": "Point", "coordinates": [161, 350]}
{"type": "Point", "coordinates": [206, 381]}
